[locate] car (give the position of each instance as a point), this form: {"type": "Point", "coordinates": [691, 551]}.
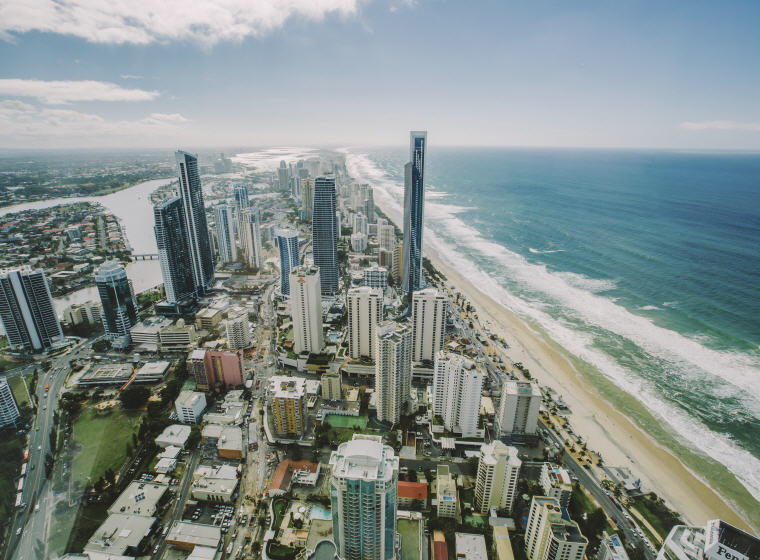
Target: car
{"type": "Point", "coordinates": [39, 448]}
{"type": "Point", "coordinates": [155, 549]}
{"type": "Point", "coordinates": [18, 531]}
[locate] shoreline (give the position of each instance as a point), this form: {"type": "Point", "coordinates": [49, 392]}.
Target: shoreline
{"type": "Point", "coordinates": [608, 431]}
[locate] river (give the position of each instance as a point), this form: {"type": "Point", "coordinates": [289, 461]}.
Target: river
{"type": "Point", "coordinates": [134, 209]}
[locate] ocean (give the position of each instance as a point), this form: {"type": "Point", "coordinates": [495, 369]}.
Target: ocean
{"type": "Point", "coordinates": [645, 265]}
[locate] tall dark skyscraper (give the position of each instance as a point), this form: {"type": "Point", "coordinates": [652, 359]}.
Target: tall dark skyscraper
{"type": "Point", "coordinates": [173, 250]}
{"type": "Point", "coordinates": [324, 231]}
{"type": "Point", "coordinates": [26, 310]}
{"type": "Point", "coordinates": [287, 241]}
{"type": "Point", "coordinates": [191, 193]}
{"type": "Point", "coordinates": [414, 206]}
{"type": "Point", "coordinates": [117, 298]}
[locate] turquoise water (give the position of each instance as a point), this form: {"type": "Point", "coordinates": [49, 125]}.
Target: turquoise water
{"type": "Point", "coordinates": [325, 550]}
{"type": "Point", "coordinates": [645, 265]}
{"type": "Point", "coordinates": [318, 512]}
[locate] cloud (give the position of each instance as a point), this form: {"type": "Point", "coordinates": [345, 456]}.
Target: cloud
{"type": "Point", "coordinates": [131, 77]}
{"type": "Point", "coordinates": [721, 125]}
{"type": "Point", "coordinates": [62, 92]}
{"type": "Point", "coordinates": [21, 120]}
{"type": "Point", "coordinates": [147, 21]}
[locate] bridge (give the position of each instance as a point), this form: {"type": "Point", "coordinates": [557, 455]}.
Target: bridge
{"type": "Point", "coordinates": [145, 257]}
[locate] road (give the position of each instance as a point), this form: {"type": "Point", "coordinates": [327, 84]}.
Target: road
{"type": "Point", "coordinates": [37, 489]}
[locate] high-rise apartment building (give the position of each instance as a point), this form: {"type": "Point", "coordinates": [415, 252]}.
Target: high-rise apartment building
{"type": "Point", "coordinates": [306, 310]}
{"type": "Point", "coordinates": [225, 233]}
{"type": "Point", "coordinates": [331, 386]}
{"type": "Point", "coordinates": [307, 199]}
{"type": "Point", "coordinates": [496, 482]}
{"type": "Point", "coordinates": [287, 397]}
{"type": "Point", "coordinates": [9, 411]}
{"type": "Point", "coordinates": [26, 310]}
{"type": "Point", "coordinates": [225, 369]}
{"type": "Point", "coordinates": [518, 409]}
{"type": "Point", "coordinates": [324, 230]}
{"type": "Point", "coordinates": [550, 534]}
{"type": "Point", "coordinates": [429, 310]}
{"type": "Point", "coordinates": [170, 228]}
{"type": "Point", "coordinates": [240, 194]}
{"type": "Point", "coordinates": [414, 206]}
{"type": "Point", "coordinates": [365, 313]}
{"type": "Point", "coordinates": [238, 329]}
{"type": "Point", "coordinates": [717, 540]}
{"type": "Point", "coordinates": [190, 406]}
{"type": "Point", "coordinates": [118, 309]}
{"type": "Point", "coordinates": [251, 232]}
{"type": "Point", "coordinates": [386, 237]}
{"type": "Point", "coordinates": [360, 223]}
{"type": "Point", "coordinates": [196, 368]}
{"type": "Point", "coordinates": [446, 497]}
{"type": "Point", "coordinates": [611, 548]}
{"type": "Point", "coordinates": [376, 277]}
{"type": "Point", "coordinates": [283, 177]}
{"type": "Point", "coordinates": [287, 242]}
{"type": "Point", "coordinates": [363, 496]}
{"type": "Point", "coordinates": [393, 370]}
{"type": "Point", "coordinates": [397, 269]}
{"type": "Point", "coordinates": [198, 241]}
{"type": "Point", "coordinates": [457, 387]}
{"type": "Point", "coordinates": [556, 482]}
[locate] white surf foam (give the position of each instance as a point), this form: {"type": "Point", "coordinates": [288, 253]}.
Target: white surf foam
{"type": "Point", "coordinates": [737, 372]}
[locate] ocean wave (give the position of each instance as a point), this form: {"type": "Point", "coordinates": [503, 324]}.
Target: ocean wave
{"type": "Point", "coordinates": [269, 160]}
{"type": "Point", "coordinates": [649, 308]}
{"type": "Point", "coordinates": [737, 371]}
{"type": "Point", "coordinates": [545, 252]}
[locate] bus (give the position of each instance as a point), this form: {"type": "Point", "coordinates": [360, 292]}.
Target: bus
{"type": "Point", "coordinates": [23, 469]}
{"type": "Point", "coordinates": [19, 503]}
{"type": "Point", "coordinates": [20, 484]}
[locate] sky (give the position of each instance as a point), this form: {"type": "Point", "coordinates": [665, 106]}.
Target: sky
{"type": "Point", "coordinates": [145, 74]}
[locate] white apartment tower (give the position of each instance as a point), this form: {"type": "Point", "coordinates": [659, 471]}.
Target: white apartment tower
{"type": "Point", "coordinates": [429, 309]}
{"type": "Point", "coordinates": [363, 498]}
{"type": "Point", "coordinates": [496, 482]}
{"type": "Point", "coordinates": [457, 387]}
{"type": "Point", "coordinates": [550, 535]}
{"type": "Point", "coordinates": [365, 312]}
{"type": "Point", "coordinates": [238, 331]}
{"type": "Point", "coordinates": [9, 411]}
{"type": "Point", "coordinates": [252, 233]}
{"type": "Point", "coordinates": [225, 233]}
{"type": "Point", "coordinates": [393, 370]}
{"type": "Point", "coordinates": [518, 410]}
{"type": "Point", "coordinates": [386, 237]}
{"type": "Point", "coordinates": [306, 310]}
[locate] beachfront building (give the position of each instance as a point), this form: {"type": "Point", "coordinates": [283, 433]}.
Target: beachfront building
{"type": "Point", "coordinates": [393, 370]}
{"type": "Point", "coordinates": [365, 313]}
{"type": "Point", "coordinates": [414, 205]}
{"type": "Point", "coordinates": [287, 396]}
{"type": "Point", "coordinates": [117, 298]}
{"type": "Point", "coordinates": [718, 540]}
{"type": "Point", "coordinates": [190, 406]}
{"type": "Point", "coordinates": [429, 310]}
{"type": "Point", "coordinates": [251, 233]}
{"type": "Point", "coordinates": [611, 548]}
{"type": "Point", "coordinates": [556, 482]}
{"type": "Point", "coordinates": [550, 534]}
{"type": "Point", "coordinates": [496, 482]}
{"type": "Point", "coordinates": [363, 498]}
{"type": "Point", "coordinates": [457, 387]}
{"type": "Point", "coordinates": [9, 411]}
{"type": "Point", "coordinates": [446, 494]}
{"type": "Point", "coordinates": [306, 310]}
{"type": "Point", "coordinates": [27, 312]}
{"type": "Point", "coordinates": [170, 228]}
{"type": "Point", "coordinates": [197, 236]}
{"type": "Point", "coordinates": [225, 233]}
{"type": "Point", "coordinates": [287, 242]}
{"type": "Point", "coordinates": [518, 410]}
{"type": "Point", "coordinates": [324, 232]}
{"type": "Point", "coordinates": [238, 329]}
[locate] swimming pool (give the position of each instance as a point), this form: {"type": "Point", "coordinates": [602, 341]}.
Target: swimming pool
{"type": "Point", "coordinates": [319, 512]}
{"type": "Point", "coordinates": [325, 550]}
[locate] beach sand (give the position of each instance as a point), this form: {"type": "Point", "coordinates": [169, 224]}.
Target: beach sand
{"type": "Point", "coordinates": [606, 430]}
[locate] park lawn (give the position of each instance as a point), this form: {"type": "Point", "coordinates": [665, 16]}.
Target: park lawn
{"type": "Point", "coordinates": [409, 531]}
{"type": "Point", "coordinates": [582, 502]}
{"type": "Point", "coordinates": [19, 390]}
{"type": "Point", "coordinates": [642, 506]}
{"type": "Point", "coordinates": [102, 438]}
{"type": "Point", "coordinates": [8, 363]}
{"type": "Point", "coordinates": [279, 506]}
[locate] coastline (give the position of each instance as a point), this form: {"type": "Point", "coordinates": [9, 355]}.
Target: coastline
{"type": "Point", "coordinates": [608, 431]}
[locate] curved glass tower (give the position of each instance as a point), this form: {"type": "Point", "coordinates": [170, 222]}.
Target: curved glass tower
{"type": "Point", "coordinates": [118, 310]}
{"type": "Point", "coordinates": [414, 206]}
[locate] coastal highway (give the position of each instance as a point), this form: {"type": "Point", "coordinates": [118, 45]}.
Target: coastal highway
{"type": "Point", "coordinates": [36, 487]}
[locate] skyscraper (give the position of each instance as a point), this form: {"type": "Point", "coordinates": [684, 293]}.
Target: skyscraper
{"type": "Point", "coordinates": [9, 411]}
{"type": "Point", "coordinates": [199, 244]}
{"type": "Point", "coordinates": [307, 198]}
{"type": "Point", "coordinates": [117, 298]}
{"type": "Point", "coordinates": [518, 409]}
{"type": "Point", "coordinates": [393, 370]}
{"type": "Point", "coordinates": [225, 233]}
{"type": "Point", "coordinates": [325, 234]}
{"type": "Point", "coordinates": [287, 396]}
{"type": "Point", "coordinates": [173, 249]}
{"type": "Point", "coordinates": [283, 177]}
{"type": "Point", "coordinates": [252, 233]}
{"type": "Point", "coordinates": [457, 386]}
{"type": "Point", "coordinates": [429, 310]}
{"type": "Point", "coordinates": [550, 535]}
{"type": "Point", "coordinates": [287, 241]}
{"type": "Point", "coordinates": [414, 206]}
{"type": "Point", "coordinates": [238, 330]}
{"type": "Point", "coordinates": [306, 310]}
{"type": "Point", "coordinates": [365, 313]}
{"type": "Point", "coordinates": [363, 496]}
{"type": "Point", "coordinates": [386, 236]}
{"type": "Point", "coordinates": [26, 310]}
{"type": "Point", "coordinates": [496, 483]}
{"type": "Point", "coordinates": [240, 193]}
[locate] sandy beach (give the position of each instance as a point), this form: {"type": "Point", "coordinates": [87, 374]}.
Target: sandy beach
{"type": "Point", "coordinates": [608, 431]}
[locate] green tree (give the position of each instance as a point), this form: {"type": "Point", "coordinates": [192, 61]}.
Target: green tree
{"type": "Point", "coordinates": [134, 396]}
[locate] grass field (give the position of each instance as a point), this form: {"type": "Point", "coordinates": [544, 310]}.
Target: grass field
{"type": "Point", "coordinates": [8, 363]}
{"type": "Point", "coordinates": [409, 530]}
{"type": "Point", "coordinates": [338, 421]}
{"type": "Point", "coordinates": [19, 390]}
{"type": "Point", "coordinates": [103, 437]}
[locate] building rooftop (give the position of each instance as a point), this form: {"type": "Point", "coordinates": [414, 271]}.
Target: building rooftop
{"type": "Point", "coordinates": [175, 435]}
{"type": "Point", "coordinates": [364, 457]}
{"type": "Point", "coordinates": [412, 490]}
{"type": "Point", "coordinates": [719, 532]}
{"type": "Point", "coordinates": [470, 546]}
{"type": "Point", "coordinates": [283, 474]}
{"type": "Point", "coordinates": [568, 532]}
{"type": "Point", "coordinates": [440, 549]}
{"type": "Point", "coordinates": [118, 533]}
{"type": "Point", "coordinates": [502, 543]}
{"type": "Point", "coordinates": [139, 498]}
{"type": "Point", "coordinates": [188, 398]}
{"type": "Point", "coordinates": [285, 387]}
{"type": "Point", "coordinates": [197, 534]}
